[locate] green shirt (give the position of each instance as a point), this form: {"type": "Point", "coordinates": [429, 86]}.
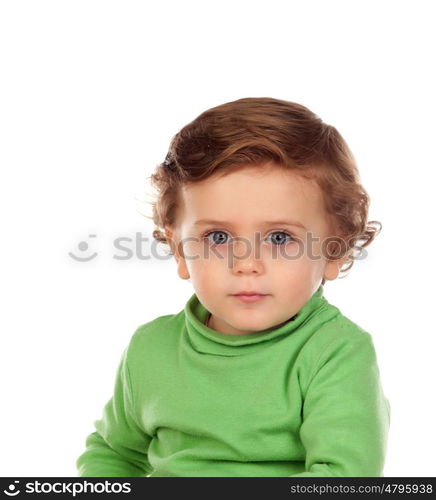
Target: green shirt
{"type": "Point", "coordinates": [304, 399]}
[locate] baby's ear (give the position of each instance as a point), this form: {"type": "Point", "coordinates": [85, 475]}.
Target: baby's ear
{"type": "Point", "coordinates": [333, 267]}
{"type": "Point", "coordinates": [175, 244]}
{"type": "Point", "coordinates": [169, 235]}
{"type": "Point", "coordinates": [172, 240]}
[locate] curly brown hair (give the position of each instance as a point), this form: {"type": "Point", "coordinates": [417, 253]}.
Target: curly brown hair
{"type": "Point", "coordinates": [256, 130]}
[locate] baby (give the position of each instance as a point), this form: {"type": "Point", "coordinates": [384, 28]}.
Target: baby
{"type": "Point", "coordinates": [260, 203]}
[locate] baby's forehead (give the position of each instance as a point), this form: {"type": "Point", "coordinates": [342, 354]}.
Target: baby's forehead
{"type": "Point", "coordinates": [255, 197]}
{"type": "Point", "coordinates": [274, 185]}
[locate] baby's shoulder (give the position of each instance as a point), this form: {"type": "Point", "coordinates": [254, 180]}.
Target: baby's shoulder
{"type": "Point", "coordinates": [155, 333]}
{"type": "Point", "coordinates": [338, 330]}
{"type": "Point", "coordinates": [152, 326]}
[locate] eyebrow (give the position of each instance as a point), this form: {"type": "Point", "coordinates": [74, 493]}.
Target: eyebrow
{"type": "Point", "coordinates": [214, 222]}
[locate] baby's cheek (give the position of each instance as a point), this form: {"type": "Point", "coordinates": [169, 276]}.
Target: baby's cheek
{"type": "Point", "coordinates": [284, 262]}
{"type": "Point", "coordinates": [285, 273]}
{"type": "Point", "coordinates": [204, 273]}
{"type": "Point", "coordinates": [191, 250]}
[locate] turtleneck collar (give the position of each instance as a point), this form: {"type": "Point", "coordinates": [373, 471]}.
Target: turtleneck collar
{"type": "Point", "coordinates": [206, 340]}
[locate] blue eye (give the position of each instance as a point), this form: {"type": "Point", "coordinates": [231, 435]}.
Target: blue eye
{"type": "Point", "coordinates": [282, 239]}
{"type": "Point", "coordinates": [219, 239]}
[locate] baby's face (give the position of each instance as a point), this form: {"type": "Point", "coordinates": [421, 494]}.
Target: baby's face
{"type": "Point", "coordinates": [267, 238]}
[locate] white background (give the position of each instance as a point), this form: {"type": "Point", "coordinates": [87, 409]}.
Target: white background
{"type": "Point", "coordinates": [91, 94]}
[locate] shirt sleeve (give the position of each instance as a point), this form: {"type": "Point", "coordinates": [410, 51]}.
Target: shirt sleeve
{"type": "Point", "coordinates": [118, 447]}
{"type": "Point", "coordinates": [346, 416]}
